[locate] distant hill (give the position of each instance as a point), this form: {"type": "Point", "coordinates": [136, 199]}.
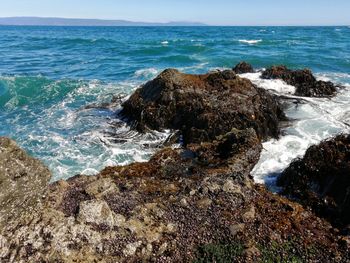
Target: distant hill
{"type": "Point", "coordinates": [53, 21]}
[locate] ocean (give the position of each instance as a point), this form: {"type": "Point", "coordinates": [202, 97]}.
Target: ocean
{"type": "Point", "coordinates": [56, 82]}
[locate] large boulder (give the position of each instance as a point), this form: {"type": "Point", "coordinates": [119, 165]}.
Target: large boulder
{"type": "Point", "coordinates": [321, 179]}
{"type": "Point", "coordinates": [203, 106]}
{"type": "Point", "coordinates": [305, 83]}
{"type": "Point", "coordinates": [23, 182]}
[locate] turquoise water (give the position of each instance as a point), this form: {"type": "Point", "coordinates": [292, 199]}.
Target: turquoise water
{"type": "Point", "coordinates": [54, 80]}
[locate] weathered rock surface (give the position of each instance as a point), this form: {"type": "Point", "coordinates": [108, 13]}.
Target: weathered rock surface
{"type": "Point", "coordinates": [305, 83]}
{"type": "Point", "coordinates": [203, 106]}
{"type": "Point", "coordinates": [197, 203]}
{"type": "Point", "coordinates": [321, 179]}
{"type": "Point", "coordinates": [243, 67]}
{"type": "Point", "coordinates": [23, 182]}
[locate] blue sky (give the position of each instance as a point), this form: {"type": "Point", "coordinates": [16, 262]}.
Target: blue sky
{"type": "Point", "coordinates": [215, 12]}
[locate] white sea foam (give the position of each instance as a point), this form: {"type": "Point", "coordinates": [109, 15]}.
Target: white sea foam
{"type": "Point", "coordinates": [165, 42]}
{"type": "Point", "coordinates": [277, 85]}
{"type": "Point", "coordinates": [250, 42]}
{"type": "Point", "coordinates": [147, 73]}
{"type": "Point", "coordinates": [314, 120]}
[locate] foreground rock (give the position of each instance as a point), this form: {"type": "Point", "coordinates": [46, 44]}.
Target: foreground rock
{"type": "Point", "coordinates": [203, 106]}
{"type": "Point", "coordinates": [23, 182]}
{"type": "Point", "coordinates": [305, 83]}
{"type": "Point", "coordinates": [195, 204]}
{"type": "Point", "coordinates": [321, 180]}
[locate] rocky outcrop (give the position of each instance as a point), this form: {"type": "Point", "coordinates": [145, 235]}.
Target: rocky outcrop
{"type": "Point", "coordinates": [203, 106]}
{"type": "Point", "coordinates": [305, 83]}
{"type": "Point", "coordinates": [243, 67]}
{"type": "Point", "coordinates": [23, 182]}
{"type": "Point", "coordinates": [321, 179]}
{"type": "Point", "coordinates": [196, 204]}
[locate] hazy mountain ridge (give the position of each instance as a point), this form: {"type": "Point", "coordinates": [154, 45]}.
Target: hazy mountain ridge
{"type": "Point", "coordinates": [55, 21]}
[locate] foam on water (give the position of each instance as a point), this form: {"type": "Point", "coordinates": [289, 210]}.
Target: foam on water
{"type": "Point", "coordinates": [67, 125]}
{"type": "Point", "coordinates": [277, 85]}
{"type": "Point", "coordinates": [314, 120]}
{"type": "Point", "coordinates": [147, 73]}
{"type": "Point", "coordinates": [54, 82]}
{"type": "Point", "coordinates": [250, 42]}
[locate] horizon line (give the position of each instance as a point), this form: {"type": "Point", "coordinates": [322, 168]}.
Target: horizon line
{"type": "Point", "coordinates": [153, 24]}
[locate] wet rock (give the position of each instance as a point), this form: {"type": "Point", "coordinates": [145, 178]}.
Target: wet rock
{"type": "Point", "coordinates": [203, 107]}
{"type": "Point", "coordinates": [243, 67]}
{"type": "Point", "coordinates": [23, 182]}
{"type": "Point", "coordinates": [321, 179]}
{"type": "Point", "coordinates": [304, 81]}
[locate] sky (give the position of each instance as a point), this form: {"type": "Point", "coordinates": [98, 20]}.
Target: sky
{"type": "Point", "coordinates": [213, 12]}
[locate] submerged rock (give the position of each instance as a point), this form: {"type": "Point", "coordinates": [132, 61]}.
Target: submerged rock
{"type": "Point", "coordinates": [203, 106]}
{"type": "Point", "coordinates": [321, 179]}
{"type": "Point", "coordinates": [305, 83]}
{"type": "Point", "coordinates": [243, 67]}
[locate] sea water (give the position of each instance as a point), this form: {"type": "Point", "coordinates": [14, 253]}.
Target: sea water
{"type": "Point", "coordinates": [56, 84]}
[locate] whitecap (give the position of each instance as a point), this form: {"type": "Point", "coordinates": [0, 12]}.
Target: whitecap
{"type": "Point", "coordinates": [165, 42]}
{"type": "Point", "coordinates": [250, 42]}
{"type": "Point", "coordinates": [147, 72]}
{"type": "Point", "coordinates": [275, 85]}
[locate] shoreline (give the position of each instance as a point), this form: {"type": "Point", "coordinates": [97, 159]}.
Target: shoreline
{"type": "Point", "coordinates": [191, 203]}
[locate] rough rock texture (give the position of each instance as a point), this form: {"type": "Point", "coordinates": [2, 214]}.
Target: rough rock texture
{"type": "Point", "coordinates": [243, 67]}
{"type": "Point", "coordinates": [23, 182]}
{"type": "Point", "coordinates": [196, 204]}
{"type": "Point", "coordinates": [321, 180]}
{"type": "Point", "coordinates": [305, 83]}
{"type": "Point", "coordinates": [203, 106]}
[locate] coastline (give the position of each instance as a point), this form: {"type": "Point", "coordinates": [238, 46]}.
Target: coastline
{"type": "Point", "coordinates": [196, 202]}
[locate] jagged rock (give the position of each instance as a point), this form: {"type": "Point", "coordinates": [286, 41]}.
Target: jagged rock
{"type": "Point", "coordinates": [23, 182]}
{"type": "Point", "coordinates": [183, 200]}
{"type": "Point", "coordinates": [243, 67]}
{"type": "Point", "coordinates": [305, 83]}
{"type": "Point", "coordinates": [203, 106]}
{"type": "Point", "coordinates": [321, 179]}
{"type": "Point", "coordinates": [143, 217]}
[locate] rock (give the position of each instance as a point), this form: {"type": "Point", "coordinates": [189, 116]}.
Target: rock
{"type": "Point", "coordinates": [230, 187]}
{"type": "Point", "coordinates": [243, 67]}
{"type": "Point", "coordinates": [23, 182]}
{"type": "Point", "coordinates": [235, 229]}
{"type": "Point", "coordinates": [101, 187]}
{"type": "Point", "coordinates": [305, 83]}
{"type": "Point", "coordinates": [167, 209]}
{"type": "Point", "coordinates": [96, 212]}
{"type": "Point", "coordinates": [249, 214]}
{"type": "Point", "coordinates": [203, 106]}
{"type": "Point", "coordinates": [204, 203]}
{"type": "Point", "coordinates": [144, 220]}
{"type": "Point", "coordinates": [130, 249]}
{"type": "Point", "coordinates": [321, 179]}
